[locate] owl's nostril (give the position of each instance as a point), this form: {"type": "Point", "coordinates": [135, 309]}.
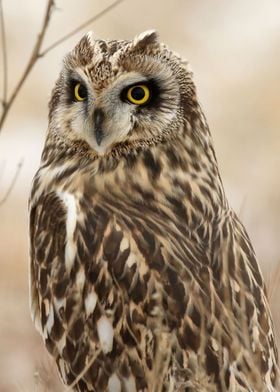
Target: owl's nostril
{"type": "Point", "coordinates": [98, 119]}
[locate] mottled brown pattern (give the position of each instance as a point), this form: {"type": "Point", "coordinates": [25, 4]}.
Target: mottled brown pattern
{"type": "Point", "coordinates": [142, 277]}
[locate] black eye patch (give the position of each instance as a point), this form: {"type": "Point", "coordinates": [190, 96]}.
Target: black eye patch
{"type": "Point", "coordinates": [76, 91]}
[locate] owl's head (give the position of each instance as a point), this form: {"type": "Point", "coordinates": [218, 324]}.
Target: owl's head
{"type": "Point", "coordinates": [113, 93]}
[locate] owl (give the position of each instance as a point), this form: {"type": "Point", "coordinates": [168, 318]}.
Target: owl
{"type": "Point", "coordinates": [142, 278]}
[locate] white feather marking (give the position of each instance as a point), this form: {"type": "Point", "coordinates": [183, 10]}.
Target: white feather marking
{"type": "Point", "coordinates": [236, 286]}
{"type": "Point", "coordinates": [171, 384]}
{"type": "Point", "coordinates": [80, 278]}
{"type": "Point", "coordinates": [215, 344]}
{"type": "Point", "coordinates": [60, 344]}
{"type": "Point", "coordinates": [90, 303]}
{"type": "Point", "coordinates": [132, 259]}
{"type": "Point", "coordinates": [114, 384]}
{"type": "Point", "coordinates": [47, 306]}
{"type": "Point", "coordinates": [50, 321]}
{"type": "Point", "coordinates": [129, 384]}
{"type": "Point", "coordinates": [71, 220]}
{"type": "Point", "coordinates": [124, 244]}
{"type": "Point", "coordinates": [256, 338]}
{"type": "Point", "coordinates": [105, 333]}
{"type": "Point", "coordinates": [61, 365]}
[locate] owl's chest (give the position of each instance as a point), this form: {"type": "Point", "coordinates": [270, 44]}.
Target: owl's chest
{"type": "Point", "coordinates": [167, 211]}
{"type": "Point", "coordinates": [133, 235]}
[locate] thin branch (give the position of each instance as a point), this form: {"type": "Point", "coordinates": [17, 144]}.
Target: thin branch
{"type": "Point", "coordinates": [36, 52]}
{"type": "Point", "coordinates": [34, 57]}
{"type": "Point", "coordinates": [12, 184]}
{"type": "Point", "coordinates": [4, 54]}
{"type": "Point", "coordinates": [81, 27]}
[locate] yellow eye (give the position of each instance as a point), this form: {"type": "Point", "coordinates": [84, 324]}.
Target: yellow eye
{"type": "Point", "coordinates": [139, 94]}
{"type": "Point", "coordinates": [80, 92]}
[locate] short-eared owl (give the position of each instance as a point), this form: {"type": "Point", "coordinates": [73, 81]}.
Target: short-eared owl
{"type": "Point", "coordinates": [142, 276]}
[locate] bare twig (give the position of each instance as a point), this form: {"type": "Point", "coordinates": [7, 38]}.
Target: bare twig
{"type": "Point", "coordinates": [12, 184]}
{"type": "Point", "coordinates": [81, 27]}
{"type": "Point", "coordinates": [36, 52]}
{"type": "Point", "coordinates": [4, 54]}
{"type": "Point", "coordinates": [31, 62]}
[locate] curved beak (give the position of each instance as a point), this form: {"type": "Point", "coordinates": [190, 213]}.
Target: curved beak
{"type": "Point", "coordinates": [98, 119]}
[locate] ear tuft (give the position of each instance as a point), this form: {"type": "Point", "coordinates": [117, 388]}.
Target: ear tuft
{"type": "Point", "coordinates": [90, 37]}
{"type": "Point", "coordinates": [84, 48]}
{"type": "Point", "coordinates": [149, 37]}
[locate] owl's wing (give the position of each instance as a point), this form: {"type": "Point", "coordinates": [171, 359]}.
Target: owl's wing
{"type": "Point", "coordinates": [47, 235]}
{"type": "Point", "coordinates": [247, 330]}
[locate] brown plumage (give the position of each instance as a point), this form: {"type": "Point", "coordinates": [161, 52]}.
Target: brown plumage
{"type": "Point", "coordinates": [142, 277]}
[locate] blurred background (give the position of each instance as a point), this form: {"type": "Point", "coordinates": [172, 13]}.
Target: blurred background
{"type": "Point", "coordinates": [234, 51]}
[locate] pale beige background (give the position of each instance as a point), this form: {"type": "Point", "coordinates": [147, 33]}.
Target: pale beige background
{"type": "Point", "coordinates": [234, 51]}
